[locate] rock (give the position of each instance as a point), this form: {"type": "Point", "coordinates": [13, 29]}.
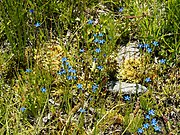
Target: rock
{"type": "Point", "coordinates": [126, 88]}
{"type": "Point", "coordinates": [127, 52]}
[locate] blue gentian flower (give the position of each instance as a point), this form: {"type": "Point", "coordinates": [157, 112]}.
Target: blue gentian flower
{"type": "Point", "coordinates": [79, 86]}
{"type": "Point", "coordinates": [121, 9]}
{"type": "Point", "coordinates": [31, 10]}
{"type": "Point", "coordinates": [74, 77]}
{"type": "Point", "coordinates": [28, 70]}
{"type": "Point", "coordinates": [104, 55]}
{"type": "Point", "coordinates": [98, 50]}
{"type": "Point", "coordinates": [64, 59]}
{"type": "Point", "coordinates": [153, 122]}
{"type": "Point", "coordinates": [100, 35]}
{"type": "Point", "coordinates": [140, 131]}
{"type": "Point", "coordinates": [82, 110]}
{"type": "Point", "coordinates": [81, 50]}
{"type": "Point", "coordinates": [147, 117]}
{"type": "Point", "coordinates": [94, 87]}
{"type": "Point", "coordinates": [148, 79]}
{"type": "Point", "coordinates": [140, 46]}
{"type": "Point", "coordinates": [22, 109]}
{"type": "Point", "coordinates": [102, 41]}
{"type": "Point", "coordinates": [151, 112]}
{"type": "Point", "coordinates": [71, 70]}
{"type": "Point", "coordinates": [100, 67]}
{"type": "Point", "coordinates": [155, 43]}
{"type": "Point", "coordinates": [162, 61]}
{"type": "Point", "coordinates": [94, 35]}
{"type": "Point", "coordinates": [146, 46]}
{"type": "Point", "coordinates": [43, 89]}
{"type": "Point", "coordinates": [90, 22]}
{"type": "Point", "coordinates": [127, 98]}
{"type": "Point", "coordinates": [37, 24]}
{"type": "Point", "coordinates": [149, 50]}
{"type": "Point", "coordinates": [62, 71]}
{"type": "Point", "coordinates": [157, 128]}
{"type": "Point", "coordinates": [69, 77]}
{"type": "Point", "coordinates": [146, 125]}
{"type": "Point", "coordinates": [95, 59]}
{"type": "Point", "coordinates": [96, 40]}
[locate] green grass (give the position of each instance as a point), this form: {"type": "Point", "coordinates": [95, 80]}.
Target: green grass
{"type": "Point", "coordinates": [38, 95]}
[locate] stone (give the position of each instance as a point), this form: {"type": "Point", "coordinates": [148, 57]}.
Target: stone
{"type": "Point", "coordinates": [126, 88]}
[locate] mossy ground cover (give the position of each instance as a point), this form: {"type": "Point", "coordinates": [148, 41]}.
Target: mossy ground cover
{"type": "Point", "coordinates": [57, 58]}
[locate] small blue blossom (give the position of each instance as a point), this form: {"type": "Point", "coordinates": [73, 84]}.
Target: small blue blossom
{"type": "Point", "coordinates": [37, 24]}
{"type": "Point", "coordinates": [31, 10]}
{"type": "Point", "coordinates": [64, 59]}
{"type": "Point", "coordinates": [94, 87]}
{"type": "Point", "coordinates": [98, 50]}
{"type": "Point", "coordinates": [90, 22]}
{"type": "Point", "coordinates": [62, 71]}
{"type": "Point", "coordinates": [96, 40]}
{"type": "Point", "coordinates": [28, 70]}
{"type": "Point", "coordinates": [71, 70]}
{"type": "Point", "coordinates": [121, 9]}
{"type": "Point", "coordinates": [81, 50]}
{"type": "Point", "coordinates": [151, 112]}
{"type": "Point", "coordinates": [162, 61]}
{"type": "Point", "coordinates": [146, 46]}
{"type": "Point", "coordinates": [155, 43]}
{"type": "Point", "coordinates": [147, 116]}
{"type": "Point", "coordinates": [127, 98]}
{"type": "Point", "coordinates": [22, 109]}
{"type": "Point", "coordinates": [146, 125]}
{"type": "Point", "coordinates": [79, 86]}
{"type": "Point", "coordinates": [95, 35]}
{"type": "Point", "coordinates": [157, 128]}
{"type": "Point", "coordinates": [74, 77]}
{"type": "Point", "coordinates": [140, 46]}
{"type": "Point", "coordinates": [100, 67]}
{"type": "Point", "coordinates": [104, 55]}
{"type": "Point", "coordinates": [148, 79]}
{"type": "Point", "coordinates": [140, 131]}
{"type": "Point", "coordinates": [94, 59]}
{"type": "Point", "coordinates": [82, 110]}
{"type": "Point", "coordinates": [100, 35]}
{"type": "Point", "coordinates": [43, 89]}
{"type": "Point", "coordinates": [67, 63]}
{"type": "Point", "coordinates": [149, 50]}
{"type": "Point", "coordinates": [69, 77]}
{"type": "Point", "coordinates": [102, 41]}
{"type": "Point", "coordinates": [153, 122]}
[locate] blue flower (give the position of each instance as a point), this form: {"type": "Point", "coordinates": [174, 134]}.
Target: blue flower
{"type": "Point", "coordinates": [100, 35]}
{"type": "Point", "coordinates": [140, 46]}
{"type": "Point", "coordinates": [79, 86]}
{"type": "Point", "coordinates": [96, 40]}
{"type": "Point", "coordinates": [31, 10]}
{"type": "Point", "coordinates": [94, 59]}
{"type": "Point", "coordinates": [153, 122]}
{"type": "Point", "coordinates": [157, 128]}
{"type": "Point", "coordinates": [121, 9]}
{"type": "Point", "coordinates": [146, 125]}
{"type": "Point", "coordinates": [69, 77]}
{"type": "Point", "coordinates": [90, 22]}
{"type": "Point", "coordinates": [94, 35]}
{"type": "Point", "coordinates": [102, 41]}
{"type": "Point", "coordinates": [162, 61]}
{"type": "Point", "coordinates": [74, 77]}
{"type": "Point", "coordinates": [151, 112]}
{"type": "Point", "coordinates": [94, 87]}
{"type": "Point", "coordinates": [28, 70]}
{"type": "Point", "coordinates": [149, 50]}
{"type": "Point", "coordinates": [62, 71]}
{"type": "Point", "coordinates": [148, 79]}
{"type": "Point", "coordinates": [147, 116]}
{"type": "Point", "coordinates": [43, 89]}
{"type": "Point", "coordinates": [81, 50]}
{"type": "Point", "coordinates": [22, 109]}
{"type": "Point", "coordinates": [127, 98]}
{"type": "Point", "coordinates": [100, 67]}
{"type": "Point", "coordinates": [104, 55]}
{"type": "Point", "coordinates": [71, 70]}
{"type": "Point", "coordinates": [155, 43]}
{"type": "Point", "coordinates": [64, 59]}
{"type": "Point", "coordinates": [82, 110]}
{"type": "Point", "coordinates": [37, 24]}
{"type": "Point", "coordinates": [146, 46]}
{"type": "Point", "coordinates": [140, 131]}
{"type": "Point", "coordinates": [98, 50]}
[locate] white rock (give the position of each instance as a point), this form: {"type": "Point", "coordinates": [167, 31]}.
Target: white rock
{"type": "Point", "coordinates": [126, 88]}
